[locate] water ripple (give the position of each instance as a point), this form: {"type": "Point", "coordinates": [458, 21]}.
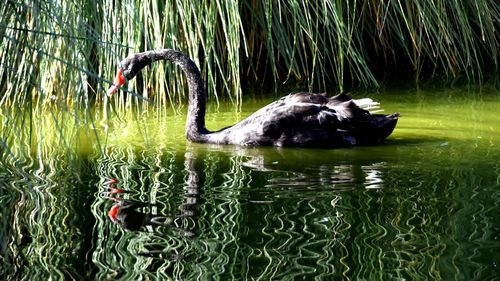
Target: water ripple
{"type": "Point", "coordinates": [419, 208]}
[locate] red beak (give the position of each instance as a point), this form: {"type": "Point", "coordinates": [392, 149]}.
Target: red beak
{"type": "Point", "coordinates": [113, 212]}
{"type": "Point", "coordinates": [119, 80]}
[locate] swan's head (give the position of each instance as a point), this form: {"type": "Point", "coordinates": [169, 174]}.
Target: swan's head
{"type": "Point", "coordinates": [128, 69]}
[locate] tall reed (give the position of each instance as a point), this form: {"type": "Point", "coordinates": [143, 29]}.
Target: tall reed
{"type": "Point", "coordinates": [63, 52]}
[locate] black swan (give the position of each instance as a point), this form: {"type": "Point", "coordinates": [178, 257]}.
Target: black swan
{"type": "Point", "coordinates": [300, 119]}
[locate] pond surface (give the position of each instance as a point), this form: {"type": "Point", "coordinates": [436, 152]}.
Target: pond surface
{"type": "Point", "coordinates": [142, 203]}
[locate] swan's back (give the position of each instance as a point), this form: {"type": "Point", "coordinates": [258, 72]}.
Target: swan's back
{"type": "Point", "coordinates": [312, 120]}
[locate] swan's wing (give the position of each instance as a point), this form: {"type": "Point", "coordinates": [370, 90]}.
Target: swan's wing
{"type": "Point", "coordinates": [340, 98]}
{"type": "Point", "coordinates": [336, 118]}
{"type": "Point", "coordinates": [297, 112]}
{"type": "Point", "coordinates": [305, 97]}
{"type": "Point", "coordinates": [346, 102]}
{"type": "Point", "coordinates": [286, 115]}
{"type": "Point", "coordinates": [307, 110]}
{"type": "Point", "coordinates": [305, 119]}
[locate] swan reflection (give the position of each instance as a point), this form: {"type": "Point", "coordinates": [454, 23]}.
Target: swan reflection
{"type": "Point", "coordinates": [278, 167]}
{"type": "Point", "coordinates": [299, 168]}
{"type": "Point", "coordinates": [342, 177]}
{"type": "Point", "coordinates": [137, 215]}
{"type": "Point", "coordinates": [296, 169]}
{"type": "Point", "coordinates": [214, 203]}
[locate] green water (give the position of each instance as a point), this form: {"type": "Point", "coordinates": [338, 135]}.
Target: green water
{"type": "Point", "coordinates": [142, 203]}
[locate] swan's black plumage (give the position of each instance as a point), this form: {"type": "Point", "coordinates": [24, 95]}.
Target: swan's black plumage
{"type": "Point", "coordinates": [300, 119]}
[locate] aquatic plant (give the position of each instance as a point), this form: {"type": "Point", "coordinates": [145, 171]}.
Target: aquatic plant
{"type": "Point", "coordinates": [61, 51]}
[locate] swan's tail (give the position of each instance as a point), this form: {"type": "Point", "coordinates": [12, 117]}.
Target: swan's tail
{"type": "Point", "coordinates": [376, 130]}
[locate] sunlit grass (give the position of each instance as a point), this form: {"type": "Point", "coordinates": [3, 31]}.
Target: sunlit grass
{"type": "Point", "coordinates": [68, 49]}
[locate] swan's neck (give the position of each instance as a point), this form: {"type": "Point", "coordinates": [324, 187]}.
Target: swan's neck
{"type": "Point", "coordinates": [195, 123]}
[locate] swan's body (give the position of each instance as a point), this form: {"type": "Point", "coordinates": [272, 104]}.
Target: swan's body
{"type": "Point", "coordinates": [301, 119]}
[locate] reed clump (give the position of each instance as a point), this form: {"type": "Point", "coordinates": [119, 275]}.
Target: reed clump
{"type": "Point", "coordinates": [66, 50]}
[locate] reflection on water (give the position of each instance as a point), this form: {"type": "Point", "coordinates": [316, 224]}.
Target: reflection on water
{"type": "Point", "coordinates": [424, 206]}
{"type": "Point", "coordinates": [241, 213]}
{"type": "Point", "coordinates": [341, 177]}
{"type": "Point", "coordinates": [273, 219]}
